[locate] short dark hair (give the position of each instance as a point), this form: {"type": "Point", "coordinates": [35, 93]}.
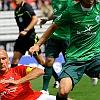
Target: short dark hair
{"type": "Point", "coordinates": [94, 1]}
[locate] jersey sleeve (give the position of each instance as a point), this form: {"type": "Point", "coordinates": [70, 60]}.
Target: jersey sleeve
{"type": "Point", "coordinates": [23, 70]}
{"type": "Point", "coordinates": [30, 10]}
{"type": "Point", "coordinates": [63, 19]}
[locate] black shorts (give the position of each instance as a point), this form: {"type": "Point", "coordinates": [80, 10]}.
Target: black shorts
{"type": "Point", "coordinates": [23, 44]}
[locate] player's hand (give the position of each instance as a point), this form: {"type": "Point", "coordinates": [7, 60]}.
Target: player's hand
{"type": "Point", "coordinates": [23, 33]}
{"type": "Point", "coordinates": [43, 21]}
{"type": "Point", "coordinates": [10, 82]}
{"type": "Point", "coordinates": [13, 82]}
{"type": "Point", "coordinates": [33, 49]}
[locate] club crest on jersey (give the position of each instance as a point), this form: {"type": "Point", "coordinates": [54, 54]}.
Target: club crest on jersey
{"type": "Point", "coordinates": [60, 6]}
{"type": "Point", "coordinates": [97, 19]}
{"type": "Point", "coordinates": [20, 19]}
{"type": "Point", "coordinates": [11, 78]}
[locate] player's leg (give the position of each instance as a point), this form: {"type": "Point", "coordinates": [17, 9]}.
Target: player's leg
{"type": "Point", "coordinates": [40, 59]}
{"type": "Point", "coordinates": [93, 69]}
{"type": "Point", "coordinates": [71, 74]}
{"type": "Point", "coordinates": [48, 73]}
{"type": "Point", "coordinates": [94, 81]}
{"type": "Point", "coordinates": [51, 54]}
{"type": "Point", "coordinates": [37, 55]}
{"type": "Point", "coordinates": [64, 88]}
{"type": "Point", "coordinates": [63, 46]}
{"type": "Point", "coordinates": [56, 83]}
{"type": "Point", "coordinates": [19, 50]}
{"type": "Point", "coordinates": [16, 57]}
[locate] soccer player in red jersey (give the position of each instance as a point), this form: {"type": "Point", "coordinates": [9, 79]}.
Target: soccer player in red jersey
{"type": "Point", "coordinates": [14, 82]}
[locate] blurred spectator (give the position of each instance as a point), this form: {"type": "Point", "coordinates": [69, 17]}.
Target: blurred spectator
{"type": "Point", "coordinates": [27, 1]}
{"type": "Point", "coordinates": [98, 0]}
{"type": "Point", "coordinates": [50, 2]}
{"type": "Point", "coordinates": [39, 4]}
{"type": "Point", "coordinates": [33, 4]}
{"type": "Point", "coordinates": [46, 10]}
{"type": "Point", "coordinates": [0, 5]}
{"type": "Point", "coordinates": [12, 4]}
{"type": "Point", "coordinates": [5, 5]}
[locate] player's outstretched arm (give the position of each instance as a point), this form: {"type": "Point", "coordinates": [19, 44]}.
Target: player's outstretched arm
{"type": "Point", "coordinates": [35, 73]}
{"type": "Point", "coordinates": [43, 39]}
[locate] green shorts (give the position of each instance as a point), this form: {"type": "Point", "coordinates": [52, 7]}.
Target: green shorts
{"type": "Point", "coordinates": [76, 69]}
{"type": "Point", "coordinates": [55, 46]}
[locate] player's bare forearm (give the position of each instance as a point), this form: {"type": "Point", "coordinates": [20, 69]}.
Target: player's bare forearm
{"type": "Point", "coordinates": [44, 37]}
{"type": "Point", "coordinates": [32, 23]}
{"type": "Point", "coordinates": [35, 73]}
{"type": "Point", "coordinates": [47, 34]}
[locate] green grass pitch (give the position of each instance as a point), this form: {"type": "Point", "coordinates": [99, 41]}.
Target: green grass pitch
{"type": "Point", "coordinates": [82, 91]}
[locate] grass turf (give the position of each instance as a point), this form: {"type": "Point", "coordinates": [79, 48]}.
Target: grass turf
{"type": "Point", "coordinates": [82, 91]}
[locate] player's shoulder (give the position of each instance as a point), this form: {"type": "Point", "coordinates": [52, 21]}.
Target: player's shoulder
{"type": "Point", "coordinates": [73, 7]}
{"type": "Point", "coordinates": [26, 5]}
{"type": "Point", "coordinates": [98, 5]}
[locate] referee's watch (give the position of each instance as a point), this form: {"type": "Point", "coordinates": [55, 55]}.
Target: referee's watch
{"type": "Point", "coordinates": [25, 30]}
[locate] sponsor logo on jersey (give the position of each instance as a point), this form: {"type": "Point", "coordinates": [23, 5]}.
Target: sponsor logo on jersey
{"type": "Point", "coordinates": [87, 31]}
{"type": "Point", "coordinates": [59, 17]}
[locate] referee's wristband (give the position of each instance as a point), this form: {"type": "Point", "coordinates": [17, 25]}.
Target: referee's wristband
{"type": "Point", "coordinates": [25, 30]}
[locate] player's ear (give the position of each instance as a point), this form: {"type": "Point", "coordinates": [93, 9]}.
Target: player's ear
{"type": "Point", "coordinates": [8, 60]}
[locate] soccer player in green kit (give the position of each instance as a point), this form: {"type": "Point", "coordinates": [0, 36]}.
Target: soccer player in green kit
{"type": "Point", "coordinates": [58, 42]}
{"type": "Point", "coordinates": [83, 52]}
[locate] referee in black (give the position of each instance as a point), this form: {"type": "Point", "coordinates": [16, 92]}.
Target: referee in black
{"type": "Point", "coordinates": [26, 19]}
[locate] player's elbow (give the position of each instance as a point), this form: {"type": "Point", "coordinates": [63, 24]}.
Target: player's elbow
{"type": "Point", "coordinates": [54, 27]}
{"type": "Point", "coordinates": [35, 19]}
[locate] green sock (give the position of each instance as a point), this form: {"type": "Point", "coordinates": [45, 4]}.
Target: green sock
{"type": "Point", "coordinates": [59, 98]}
{"type": "Point", "coordinates": [47, 76]}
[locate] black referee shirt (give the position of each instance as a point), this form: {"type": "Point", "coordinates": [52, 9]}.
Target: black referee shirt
{"type": "Point", "coordinates": [23, 16]}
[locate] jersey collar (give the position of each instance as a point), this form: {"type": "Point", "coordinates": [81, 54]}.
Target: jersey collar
{"type": "Point", "coordinates": [79, 8]}
{"type": "Point", "coordinates": [19, 8]}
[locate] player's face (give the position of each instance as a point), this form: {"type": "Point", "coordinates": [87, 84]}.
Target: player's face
{"type": "Point", "coordinates": [4, 61]}
{"type": "Point", "coordinates": [87, 3]}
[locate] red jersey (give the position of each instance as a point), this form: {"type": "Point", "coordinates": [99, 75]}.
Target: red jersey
{"type": "Point", "coordinates": [22, 91]}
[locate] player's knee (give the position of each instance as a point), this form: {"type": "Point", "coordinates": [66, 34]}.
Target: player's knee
{"type": "Point", "coordinates": [65, 87]}
{"type": "Point", "coordinates": [49, 61]}
{"type": "Point", "coordinates": [63, 92]}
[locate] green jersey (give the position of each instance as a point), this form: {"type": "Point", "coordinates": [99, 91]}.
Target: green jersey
{"type": "Point", "coordinates": [58, 7]}
{"type": "Point", "coordinates": [85, 31]}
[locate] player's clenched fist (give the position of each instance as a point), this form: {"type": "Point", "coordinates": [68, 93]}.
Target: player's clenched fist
{"type": "Point", "coordinates": [33, 49]}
